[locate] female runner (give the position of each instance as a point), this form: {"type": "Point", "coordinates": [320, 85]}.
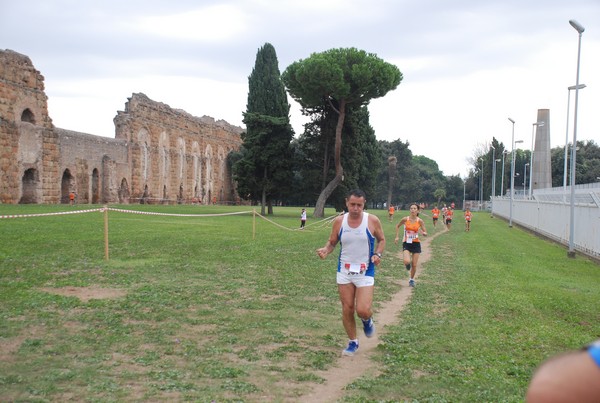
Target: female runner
{"type": "Point", "coordinates": [411, 245]}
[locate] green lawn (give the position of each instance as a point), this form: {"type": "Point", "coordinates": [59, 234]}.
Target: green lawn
{"type": "Point", "coordinates": [226, 308]}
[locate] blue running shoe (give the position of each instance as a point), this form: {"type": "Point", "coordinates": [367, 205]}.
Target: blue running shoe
{"type": "Point", "coordinates": [407, 266]}
{"type": "Point", "coordinates": [351, 349]}
{"type": "Point", "coordinates": [369, 327]}
{"type": "Point", "coordinates": [411, 283]}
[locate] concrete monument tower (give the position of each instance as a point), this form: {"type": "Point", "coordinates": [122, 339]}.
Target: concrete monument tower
{"type": "Point", "coordinates": [541, 174]}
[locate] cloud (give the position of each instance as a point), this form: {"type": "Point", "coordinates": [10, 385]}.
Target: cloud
{"type": "Point", "coordinates": [213, 24]}
{"type": "Point", "coordinates": [467, 64]}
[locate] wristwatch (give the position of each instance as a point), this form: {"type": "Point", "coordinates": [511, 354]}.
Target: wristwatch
{"type": "Point", "coordinates": [378, 254]}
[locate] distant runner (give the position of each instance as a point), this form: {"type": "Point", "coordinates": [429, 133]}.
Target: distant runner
{"type": "Point", "coordinates": [411, 245]}
{"type": "Point", "coordinates": [435, 213]}
{"type": "Point", "coordinates": [449, 214]}
{"type": "Point", "coordinates": [468, 216]}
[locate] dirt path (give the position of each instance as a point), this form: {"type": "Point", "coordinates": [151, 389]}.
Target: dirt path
{"type": "Point", "coordinates": [350, 368]}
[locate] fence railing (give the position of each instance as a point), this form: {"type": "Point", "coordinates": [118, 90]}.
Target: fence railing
{"type": "Point", "coordinates": [548, 213]}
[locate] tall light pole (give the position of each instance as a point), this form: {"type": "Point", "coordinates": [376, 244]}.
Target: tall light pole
{"type": "Point", "coordinates": [538, 124]}
{"type": "Point", "coordinates": [571, 252]}
{"type": "Point", "coordinates": [464, 191]}
{"type": "Point", "coordinates": [481, 187]}
{"type": "Point", "coordinates": [494, 183]}
{"type": "Point", "coordinates": [493, 174]}
{"type": "Point", "coordinates": [512, 173]}
{"type": "Point", "coordinates": [502, 182]}
{"type": "Point", "coordinates": [525, 179]}
{"type": "Point", "coordinates": [573, 87]}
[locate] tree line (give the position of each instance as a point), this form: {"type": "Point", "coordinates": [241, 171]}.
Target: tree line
{"type": "Point", "coordinates": [338, 149]}
{"type": "Point", "coordinates": [587, 169]}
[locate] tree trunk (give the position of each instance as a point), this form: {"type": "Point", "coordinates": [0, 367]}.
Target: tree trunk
{"type": "Point", "coordinates": [263, 201]}
{"type": "Point", "coordinates": [339, 171]}
{"type": "Point", "coordinates": [325, 164]}
{"type": "Point", "coordinates": [325, 193]}
{"type": "Point", "coordinates": [391, 178]}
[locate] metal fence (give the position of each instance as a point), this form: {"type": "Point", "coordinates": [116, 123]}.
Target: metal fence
{"type": "Point", "coordinates": [548, 213]}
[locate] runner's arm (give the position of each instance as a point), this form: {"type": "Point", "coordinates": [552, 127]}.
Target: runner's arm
{"type": "Point", "coordinates": [423, 229]}
{"type": "Point", "coordinates": [333, 238]}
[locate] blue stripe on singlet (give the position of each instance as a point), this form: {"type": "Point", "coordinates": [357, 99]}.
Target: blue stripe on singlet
{"type": "Point", "coordinates": [594, 352]}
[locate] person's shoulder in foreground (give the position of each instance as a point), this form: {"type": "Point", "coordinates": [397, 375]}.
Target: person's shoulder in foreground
{"type": "Point", "coordinates": [568, 377]}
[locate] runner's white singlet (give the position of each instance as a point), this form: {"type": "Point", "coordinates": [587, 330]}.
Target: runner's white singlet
{"type": "Point", "coordinates": [357, 246]}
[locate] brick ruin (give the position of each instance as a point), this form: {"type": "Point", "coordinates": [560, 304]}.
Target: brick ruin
{"type": "Point", "coordinates": [159, 154]}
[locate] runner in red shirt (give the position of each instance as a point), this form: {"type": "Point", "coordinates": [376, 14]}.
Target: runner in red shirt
{"type": "Point", "coordinates": [411, 245]}
{"type": "Point", "coordinates": [435, 214]}
{"type": "Point", "coordinates": [468, 216]}
{"type": "Point", "coordinates": [449, 214]}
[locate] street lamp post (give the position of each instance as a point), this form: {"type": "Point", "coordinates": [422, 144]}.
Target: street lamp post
{"type": "Point", "coordinates": [573, 87]}
{"type": "Point", "coordinates": [464, 191]}
{"type": "Point", "coordinates": [538, 124]}
{"type": "Point", "coordinates": [512, 173]}
{"type": "Point", "coordinates": [493, 176]}
{"type": "Point", "coordinates": [481, 187]}
{"type": "Point", "coordinates": [525, 178]}
{"type": "Point", "coordinates": [502, 182]}
{"type": "Point", "coordinates": [571, 252]}
{"type": "Point", "coordinates": [514, 168]}
{"type": "Point", "coordinates": [494, 182]}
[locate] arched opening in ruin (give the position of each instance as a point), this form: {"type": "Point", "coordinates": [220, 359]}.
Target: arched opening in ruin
{"type": "Point", "coordinates": [124, 192]}
{"type": "Point", "coordinates": [95, 186]}
{"type": "Point", "coordinates": [180, 195]}
{"type": "Point", "coordinates": [29, 183]}
{"type": "Point", "coordinates": [164, 194]}
{"type": "Point", "coordinates": [67, 185]}
{"type": "Point", "coordinates": [28, 116]}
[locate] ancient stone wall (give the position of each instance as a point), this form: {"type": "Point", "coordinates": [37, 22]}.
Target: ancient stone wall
{"type": "Point", "coordinates": [82, 156]}
{"type": "Point", "coordinates": [176, 157]}
{"type": "Point", "coordinates": [28, 146]}
{"type": "Point", "coordinates": [159, 154]}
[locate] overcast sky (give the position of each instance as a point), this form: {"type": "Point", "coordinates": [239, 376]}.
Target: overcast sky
{"type": "Point", "coordinates": [468, 65]}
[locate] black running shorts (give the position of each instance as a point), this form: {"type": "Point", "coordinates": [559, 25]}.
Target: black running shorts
{"type": "Point", "coordinates": [414, 247]}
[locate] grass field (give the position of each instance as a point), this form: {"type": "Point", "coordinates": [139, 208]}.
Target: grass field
{"type": "Point", "coordinates": [225, 308]}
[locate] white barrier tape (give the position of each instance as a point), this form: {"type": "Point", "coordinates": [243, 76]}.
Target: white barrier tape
{"type": "Point", "coordinates": [274, 223]}
{"type": "Point", "coordinates": [49, 214]}
{"type": "Point", "coordinates": [152, 213]}
{"type": "Point", "coordinates": [177, 215]}
{"type": "Point", "coordinates": [324, 221]}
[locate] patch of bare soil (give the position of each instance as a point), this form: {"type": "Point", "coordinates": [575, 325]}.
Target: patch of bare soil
{"type": "Point", "coordinates": [349, 369]}
{"type": "Point", "coordinates": [86, 293]}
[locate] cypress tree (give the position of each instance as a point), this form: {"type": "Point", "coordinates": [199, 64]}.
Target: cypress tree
{"type": "Point", "coordinates": [263, 171]}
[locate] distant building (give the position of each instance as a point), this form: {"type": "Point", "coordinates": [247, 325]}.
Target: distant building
{"type": "Point", "coordinates": [159, 154]}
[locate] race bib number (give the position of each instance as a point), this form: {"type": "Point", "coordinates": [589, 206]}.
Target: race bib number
{"type": "Point", "coordinates": [411, 236]}
{"type": "Point", "coordinates": [355, 267]}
